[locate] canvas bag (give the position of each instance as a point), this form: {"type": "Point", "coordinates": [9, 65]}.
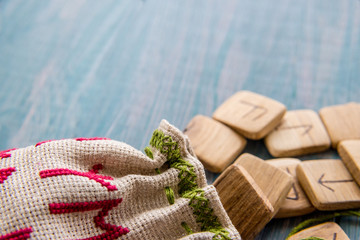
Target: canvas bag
{"type": "Point", "coordinates": [97, 188]}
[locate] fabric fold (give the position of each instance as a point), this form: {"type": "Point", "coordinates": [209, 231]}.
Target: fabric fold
{"type": "Point", "coordinates": [96, 188]}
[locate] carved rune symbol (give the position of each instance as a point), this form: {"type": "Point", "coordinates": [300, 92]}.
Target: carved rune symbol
{"type": "Point", "coordinates": [321, 182]}
{"type": "Point", "coordinates": [262, 110]}
{"type": "Point", "coordinates": [296, 197]}
{"type": "Point", "coordinates": [294, 189]}
{"type": "Point", "coordinates": [307, 128]}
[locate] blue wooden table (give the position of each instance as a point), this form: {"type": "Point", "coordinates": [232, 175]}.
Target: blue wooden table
{"type": "Point", "coordinates": [116, 68]}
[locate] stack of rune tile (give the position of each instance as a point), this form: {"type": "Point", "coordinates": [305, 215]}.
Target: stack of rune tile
{"type": "Point", "coordinates": [252, 190]}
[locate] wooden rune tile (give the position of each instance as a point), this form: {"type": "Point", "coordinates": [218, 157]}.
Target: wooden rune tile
{"type": "Point", "coordinates": [327, 231]}
{"type": "Point", "coordinates": [300, 132]}
{"type": "Point", "coordinates": [342, 122]}
{"type": "Point", "coordinates": [274, 182]}
{"type": "Point", "coordinates": [243, 200]}
{"type": "Point", "coordinates": [251, 114]}
{"type": "Point", "coordinates": [328, 184]}
{"type": "Point", "coordinates": [349, 151]}
{"type": "Point", "coordinates": [215, 144]}
{"type": "Point", "coordinates": [296, 202]}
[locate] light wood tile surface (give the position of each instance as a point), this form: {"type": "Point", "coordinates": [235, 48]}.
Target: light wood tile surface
{"type": "Point", "coordinates": [251, 114]}
{"type": "Point", "coordinates": [328, 184]}
{"type": "Point", "coordinates": [246, 204]}
{"type": "Point", "coordinates": [215, 144]}
{"type": "Point", "coordinates": [341, 121]}
{"type": "Point", "coordinates": [274, 182]}
{"type": "Point", "coordinates": [296, 202]}
{"type": "Point", "coordinates": [349, 151]}
{"type": "Point", "coordinates": [300, 132]}
{"type": "Point", "coordinates": [326, 231]}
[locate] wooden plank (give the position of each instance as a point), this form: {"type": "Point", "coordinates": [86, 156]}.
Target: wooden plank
{"type": "Point", "coordinates": [328, 184]}
{"type": "Point", "coordinates": [246, 204]}
{"type": "Point", "coordinates": [296, 202]}
{"type": "Point", "coordinates": [274, 182]}
{"type": "Point", "coordinates": [215, 144]}
{"type": "Point", "coordinates": [251, 114]}
{"type": "Point", "coordinates": [300, 132]}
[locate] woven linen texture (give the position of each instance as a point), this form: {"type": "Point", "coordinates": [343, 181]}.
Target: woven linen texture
{"type": "Point", "coordinates": [97, 188]}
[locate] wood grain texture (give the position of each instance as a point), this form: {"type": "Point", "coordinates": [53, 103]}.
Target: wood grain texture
{"type": "Point", "coordinates": [296, 202]}
{"type": "Point", "coordinates": [274, 182]}
{"type": "Point", "coordinates": [247, 206]}
{"type": "Point", "coordinates": [116, 68]}
{"type": "Point", "coordinates": [342, 122]}
{"type": "Point", "coordinates": [327, 231]}
{"type": "Point", "coordinates": [328, 184]}
{"type": "Point", "coordinates": [215, 144]}
{"type": "Point", "coordinates": [349, 151]}
{"type": "Point", "coordinates": [250, 114]}
{"type": "Point", "coordinates": [300, 132]}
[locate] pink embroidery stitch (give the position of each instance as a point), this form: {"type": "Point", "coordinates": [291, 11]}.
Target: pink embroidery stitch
{"type": "Point", "coordinates": [112, 231]}
{"type": "Point", "coordinates": [91, 139]}
{"type": "Point", "coordinates": [92, 175]}
{"type": "Point", "coordinates": [21, 234]}
{"type": "Point", "coordinates": [5, 173]}
{"type": "Point", "coordinates": [5, 153]}
{"type": "Point", "coordinates": [39, 143]}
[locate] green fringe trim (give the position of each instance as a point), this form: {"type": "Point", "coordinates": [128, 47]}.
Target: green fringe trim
{"type": "Point", "coordinates": [170, 195]}
{"type": "Point", "coordinates": [187, 228]}
{"type": "Point", "coordinates": [168, 190]}
{"type": "Point", "coordinates": [149, 153]}
{"type": "Point", "coordinates": [187, 186]}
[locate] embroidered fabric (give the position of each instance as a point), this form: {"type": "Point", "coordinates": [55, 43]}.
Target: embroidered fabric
{"type": "Point", "coordinates": [97, 188]}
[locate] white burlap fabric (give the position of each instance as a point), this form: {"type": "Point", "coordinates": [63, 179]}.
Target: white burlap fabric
{"type": "Point", "coordinates": [95, 188]}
